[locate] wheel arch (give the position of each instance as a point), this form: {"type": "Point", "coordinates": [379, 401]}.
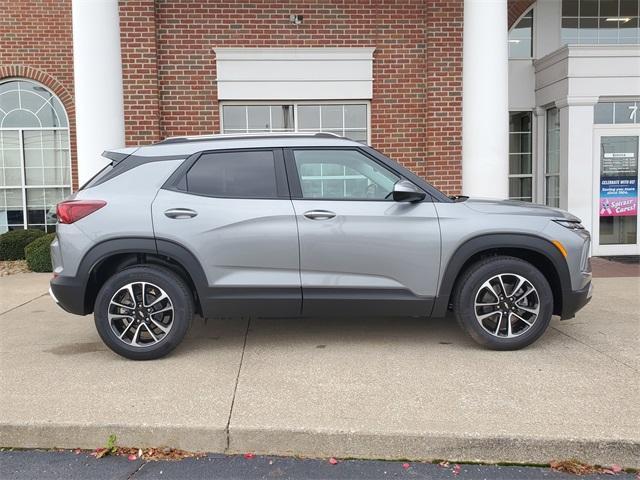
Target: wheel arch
{"type": "Point", "coordinates": [111, 256]}
{"type": "Point", "coordinates": [536, 250]}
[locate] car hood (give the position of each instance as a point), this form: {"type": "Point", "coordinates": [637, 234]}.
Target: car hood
{"type": "Point", "coordinates": [516, 207]}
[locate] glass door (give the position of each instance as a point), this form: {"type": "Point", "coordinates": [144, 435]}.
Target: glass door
{"type": "Point", "coordinates": [615, 226]}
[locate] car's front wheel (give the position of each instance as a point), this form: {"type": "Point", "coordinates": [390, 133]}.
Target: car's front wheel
{"type": "Point", "coordinates": [143, 312]}
{"type": "Point", "coordinates": [503, 303]}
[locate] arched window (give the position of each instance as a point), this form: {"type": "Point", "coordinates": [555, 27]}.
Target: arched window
{"type": "Point", "coordinates": [521, 37]}
{"type": "Point", "coordinates": [35, 160]}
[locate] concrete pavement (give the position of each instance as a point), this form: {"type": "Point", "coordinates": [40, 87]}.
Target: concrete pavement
{"type": "Point", "coordinates": [380, 388]}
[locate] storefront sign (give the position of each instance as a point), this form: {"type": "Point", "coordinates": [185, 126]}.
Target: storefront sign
{"type": "Point", "coordinates": [618, 196]}
{"type": "Point", "coordinates": [619, 163]}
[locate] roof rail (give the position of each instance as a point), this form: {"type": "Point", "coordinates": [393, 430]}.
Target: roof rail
{"type": "Point", "coordinates": [228, 136]}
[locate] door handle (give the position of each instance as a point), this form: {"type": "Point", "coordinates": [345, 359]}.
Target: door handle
{"type": "Point", "coordinates": [319, 214]}
{"type": "Point", "coordinates": [179, 213]}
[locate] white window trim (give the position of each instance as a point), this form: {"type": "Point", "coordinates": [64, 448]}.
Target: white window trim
{"type": "Point", "coordinates": [295, 104]}
{"type": "Point", "coordinates": [301, 73]}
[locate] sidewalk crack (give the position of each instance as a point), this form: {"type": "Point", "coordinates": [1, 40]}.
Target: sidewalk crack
{"type": "Point", "coordinates": [23, 304]}
{"type": "Point", "coordinates": [132, 474]}
{"type": "Point", "coordinates": [235, 388]}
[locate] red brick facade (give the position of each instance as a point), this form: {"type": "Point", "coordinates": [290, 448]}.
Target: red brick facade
{"type": "Point", "coordinates": [417, 91]}
{"type": "Point", "coordinates": [515, 9]}
{"type": "Point", "coordinates": [36, 42]}
{"type": "Point", "coordinates": [169, 66]}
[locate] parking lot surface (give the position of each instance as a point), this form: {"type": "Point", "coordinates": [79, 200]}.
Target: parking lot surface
{"type": "Point", "coordinates": [394, 388]}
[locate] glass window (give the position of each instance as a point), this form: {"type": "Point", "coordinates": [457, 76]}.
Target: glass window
{"type": "Point", "coordinates": [257, 118]}
{"type": "Point", "coordinates": [342, 175]}
{"type": "Point", "coordinates": [520, 157]}
{"type": "Point", "coordinates": [35, 161]}
{"type": "Point", "coordinates": [521, 38]}
{"type": "Point", "coordinates": [234, 174]}
{"type": "Point", "coordinates": [346, 120]}
{"type": "Point", "coordinates": [552, 159]}
{"type": "Point", "coordinates": [618, 190]}
{"type": "Point", "coordinates": [617, 112]}
{"type": "Point", "coordinates": [600, 21]}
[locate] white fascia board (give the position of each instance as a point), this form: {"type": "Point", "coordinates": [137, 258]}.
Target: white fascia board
{"type": "Point", "coordinates": [588, 71]}
{"type": "Point", "coordinates": [294, 73]}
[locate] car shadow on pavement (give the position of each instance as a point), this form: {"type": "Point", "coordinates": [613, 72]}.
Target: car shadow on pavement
{"type": "Point", "coordinates": [321, 332]}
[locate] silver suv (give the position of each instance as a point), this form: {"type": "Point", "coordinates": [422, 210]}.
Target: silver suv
{"type": "Point", "coordinates": [303, 225]}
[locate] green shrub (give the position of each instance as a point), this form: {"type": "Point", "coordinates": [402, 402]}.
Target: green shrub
{"type": "Point", "coordinates": [38, 253]}
{"type": "Point", "coordinates": [12, 243]}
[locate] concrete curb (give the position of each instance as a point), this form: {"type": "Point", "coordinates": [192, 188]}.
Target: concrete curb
{"type": "Point", "coordinates": [56, 435]}
{"type": "Point", "coordinates": [362, 445]}
{"type": "Point", "coordinates": [428, 447]}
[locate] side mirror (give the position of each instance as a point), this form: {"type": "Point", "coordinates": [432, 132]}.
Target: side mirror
{"type": "Point", "coordinates": [405, 191]}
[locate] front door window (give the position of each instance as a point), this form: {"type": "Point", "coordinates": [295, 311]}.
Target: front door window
{"type": "Point", "coordinates": [618, 215]}
{"type": "Point", "coordinates": [342, 175]}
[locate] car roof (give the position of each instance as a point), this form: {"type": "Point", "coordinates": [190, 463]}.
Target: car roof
{"type": "Point", "coordinates": [184, 146]}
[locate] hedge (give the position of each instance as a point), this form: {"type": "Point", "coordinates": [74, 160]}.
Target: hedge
{"type": "Point", "coordinates": [12, 243]}
{"type": "Point", "coordinates": [38, 253]}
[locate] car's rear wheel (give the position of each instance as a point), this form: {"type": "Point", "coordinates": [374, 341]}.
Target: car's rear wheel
{"type": "Point", "coordinates": [503, 303]}
{"type": "Point", "coordinates": [144, 312]}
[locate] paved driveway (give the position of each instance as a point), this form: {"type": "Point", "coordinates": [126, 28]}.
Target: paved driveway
{"type": "Point", "coordinates": [374, 388]}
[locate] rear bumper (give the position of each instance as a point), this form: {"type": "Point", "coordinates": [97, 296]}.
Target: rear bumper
{"type": "Point", "coordinates": [69, 294]}
{"type": "Point", "coordinates": [575, 300]}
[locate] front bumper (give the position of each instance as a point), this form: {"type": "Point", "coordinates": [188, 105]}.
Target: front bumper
{"type": "Point", "coordinates": [575, 300]}
{"type": "Point", "coordinates": [69, 294]}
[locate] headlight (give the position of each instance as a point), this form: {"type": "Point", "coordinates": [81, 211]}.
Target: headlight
{"type": "Point", "coordinates": [570, 224]}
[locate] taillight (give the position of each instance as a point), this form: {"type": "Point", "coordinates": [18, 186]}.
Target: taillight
{"type": "Point", "coordinates": [73, 210]}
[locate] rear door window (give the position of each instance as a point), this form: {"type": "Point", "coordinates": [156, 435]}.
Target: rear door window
{"type": "Point", "coordinates": [246, 174]}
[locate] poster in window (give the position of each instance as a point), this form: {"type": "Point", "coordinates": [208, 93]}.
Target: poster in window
{"type": "Point", "coordinates": [619, 184]}
{"type": "Point", "coordinates": [618, 196]}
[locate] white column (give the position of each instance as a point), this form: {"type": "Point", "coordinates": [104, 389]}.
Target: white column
{"type": "Point", "coordinates": [576, 157]}
{"type": "Point", "coordinates": [485, 107]}
{"type": "Point", "coordinates": [97, 68]}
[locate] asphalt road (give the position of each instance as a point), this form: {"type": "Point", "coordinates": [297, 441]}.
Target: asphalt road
{"type": "Point", "coordinates": [44, 465]}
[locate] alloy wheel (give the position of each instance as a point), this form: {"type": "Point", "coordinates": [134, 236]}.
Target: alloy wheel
{"type": "Point", "coordinates": [140, 314]}
{"type": "Point", "coordinates": [507, 305]}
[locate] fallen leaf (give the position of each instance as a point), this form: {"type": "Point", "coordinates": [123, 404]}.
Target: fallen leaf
{"type": "Point", "coordinates": [456, 469]}
{"type": "Point", "coordinates": [100, 452]}
{"type": "Point", "coordinates": [406, 466]}
{"type": "Point", "coordinates": [616, 468]}
{"type": "Point", "coordinates": [77, 451]}
{"type": "Point", "coordinates": [249, 456]}
{"type": "Point", "coordinates": [333, 461]}
{"type": "Point", "coordinates": [575, 467]}
{"type": "Point", "coordinates": [444, 464]}
{"type": "Point", "coordinates": [132, 457]}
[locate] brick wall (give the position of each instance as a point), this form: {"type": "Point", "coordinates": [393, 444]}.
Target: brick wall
{"type": "Point", "coordinates": [140, 71]}
{"type": "Point", "coordinates": [36, 43]}
{"type": "Point", "coordinates": [170, 70]}
{"type": "Point", "coordinates": [515, 9]}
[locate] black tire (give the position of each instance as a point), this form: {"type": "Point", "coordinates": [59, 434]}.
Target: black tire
{"type": "Point", "coordinates": [179, 295]}
{"type": "Point", "coordinates": [469, 286]}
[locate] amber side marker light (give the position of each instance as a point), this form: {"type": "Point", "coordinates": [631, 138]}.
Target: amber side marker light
{"type": "Point", "coordinates": [560, 247]}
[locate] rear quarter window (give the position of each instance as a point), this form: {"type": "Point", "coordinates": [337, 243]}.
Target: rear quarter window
{"type": "Point", "coordinates": [249, 174]}
{"type": "Point", "coordinates": [97, 178]}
